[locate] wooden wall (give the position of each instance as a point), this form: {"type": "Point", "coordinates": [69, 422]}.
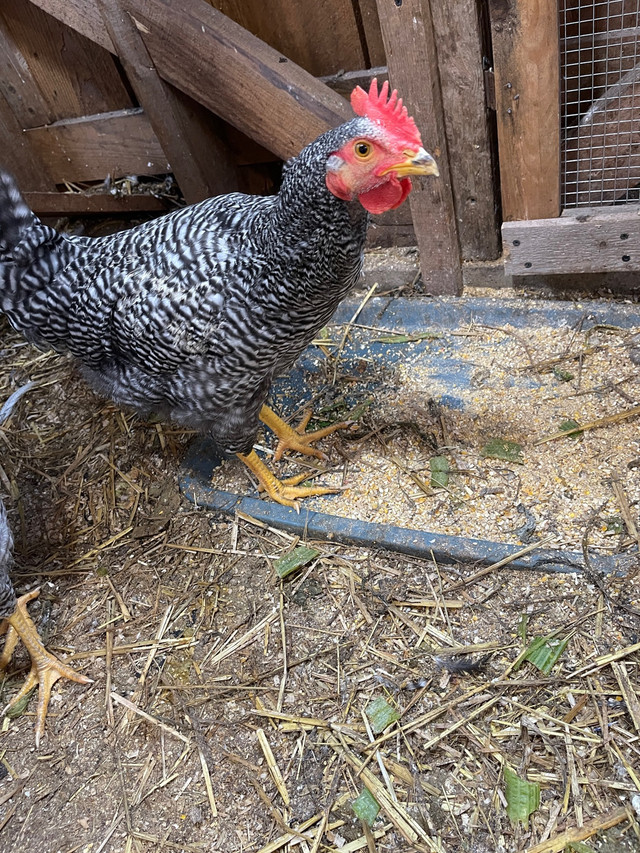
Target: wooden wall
{"type": "Point", "coordinates": [218, 91]}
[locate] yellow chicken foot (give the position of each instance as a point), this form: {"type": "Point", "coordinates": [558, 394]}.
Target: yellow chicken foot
{"type": "Point", "coordinates": [45, 668]}
{"type": "Point", "coordinates": [282, 491]}
{"type": "Point", "coordinates": [297, 439]}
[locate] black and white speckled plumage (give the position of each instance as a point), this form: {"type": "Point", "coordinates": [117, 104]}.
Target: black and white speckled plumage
{"type": "Point", "coordinates": [193, 314]}
{"type": "Point", "coordinates": [7, 595]}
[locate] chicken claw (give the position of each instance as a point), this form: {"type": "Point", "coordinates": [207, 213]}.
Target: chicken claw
{"type": "Point", "coordinates": [46, 669]}
{"type": "Point", "coordinates": [282, 491]}
{"type": "Point", "coordinates": [297, 439]}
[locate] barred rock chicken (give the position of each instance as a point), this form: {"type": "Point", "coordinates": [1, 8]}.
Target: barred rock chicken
{"type": "Point", "coordinates": [16, 623]}
{"type": "Point", "coordinates": [194, 314]}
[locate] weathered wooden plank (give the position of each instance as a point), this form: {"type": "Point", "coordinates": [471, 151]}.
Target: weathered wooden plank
{"type": "Point", "coordinates": [17, 84]}
{"type": "Point", "coordinates": [590, 241]}
{"type": "Point", "coordinates": [82, 16]}
{"type": "Point", "coordinates": [322, 37]}
{"type": "Point", "coordinates": [458, 37]}
{"type": "Point", "coordinates": [92, 147]}
{"type": "Point", "coordinates": [17, 155]}
{"type": "Point", "coordinates": [411, 59]}
{"type": "Point", "coordinates": [345, 82]}
{"type": "Point", "coordinates": [199, 159]}
{"type": "Point", "coordinates": [81, 204]}
{"type": "Point", "coordinates": [372, 33]}
{"type": "Point", "coordinates": [526, 62]}
{"type": "Point", "coordinates": [211, 58]}
{"type": "Point", "coordinates": [74, 76]}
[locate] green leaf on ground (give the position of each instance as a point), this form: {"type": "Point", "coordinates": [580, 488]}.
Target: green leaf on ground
{"type": "Point", "coordinates": [366, 806]}
{"type": "Point", "coordinates": [439, 466]}
{"type": "Point", "coordinates": [503, 448]}
{"type": "Point", "coordinates": [544, 652]}
{"type": "Point", "coordinates": [381, 714]}
{"type": "Point", "coordinates": [405, 339]}
{"type": "Point", "coordinates": [522, 797]}
{"type": "Point", "coordinates": [572, 428]}
{"type": "Point", "coordinates": [562, 375]}
{"type": "Point", "coordinates": [300, 556]}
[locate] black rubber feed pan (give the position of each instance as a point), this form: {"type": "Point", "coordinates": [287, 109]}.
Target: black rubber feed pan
{"type": "Point", "coordinates": [453, 371]}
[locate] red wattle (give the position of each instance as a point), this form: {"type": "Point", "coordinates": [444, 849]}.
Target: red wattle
{"type": "Point", "coordinates": [387, 196]}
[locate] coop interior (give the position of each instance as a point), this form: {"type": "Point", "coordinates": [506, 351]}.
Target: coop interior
{"type": "Point", "coordinates": [442, 652]}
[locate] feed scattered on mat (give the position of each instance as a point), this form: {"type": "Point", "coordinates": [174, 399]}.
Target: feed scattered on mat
{"type": "Point", "coordinates": [519, 386]}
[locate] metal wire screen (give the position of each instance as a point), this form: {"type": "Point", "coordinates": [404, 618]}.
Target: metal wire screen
{"type": "Point", "coordinates": [600, 65]}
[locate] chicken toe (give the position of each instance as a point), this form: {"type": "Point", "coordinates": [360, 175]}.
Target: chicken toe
{"type": "Point", "coordinates": [282, 491]}
{"type": "Point", "coordinates": [46, 669]}
{"type": "Point", "coordinates": [296, 438]}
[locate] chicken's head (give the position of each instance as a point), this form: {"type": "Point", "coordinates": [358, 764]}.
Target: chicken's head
{"type": "Point", "coordinates": [374, 166]}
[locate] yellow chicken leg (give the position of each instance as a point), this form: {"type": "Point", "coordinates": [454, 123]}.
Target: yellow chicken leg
{"type": "Point", "coordinates": [282, 491]}
{"type": "Point", "coordinates": [46, 669]}
{"type": "Point", "coordinates": [297, 439]}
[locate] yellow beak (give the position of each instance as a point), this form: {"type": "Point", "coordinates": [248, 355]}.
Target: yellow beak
{"type": "Point", "coordinates": [418, 162]}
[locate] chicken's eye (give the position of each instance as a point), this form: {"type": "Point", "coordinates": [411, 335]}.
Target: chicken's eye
{"type": "Point", "coordinates": [362, 149]}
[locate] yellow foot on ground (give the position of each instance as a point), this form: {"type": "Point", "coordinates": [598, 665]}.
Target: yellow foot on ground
{"type": "Point", "coordinates": [297, 439]}
{"type": "Point", "coordinates": [46, 669]}
{"type": "Point", "coordinates": [286, 491]}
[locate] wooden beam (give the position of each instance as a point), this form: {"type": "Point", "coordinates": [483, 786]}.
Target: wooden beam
{"type": "Point", "coordinates": [527, 73]}
{"type": "Point", "coordinates": [345, 82]}
{"type": "Point", "coordinates": [213, 60]}
{"type": "Point", "coordinates": [199, 159]}
{"type": "Point", "coordinates": [92, 147]}
{"type": "Point", "coordinates": [321, 37]}
{"type": "Point", "coordinates": [589, 240]}
{"type": "Point", "coordinates": [81, 204]}
{"type": "Point", "coordinates": [468, 125]}
{"type": "Point", "coordinates": [413, 68]}
{"type": "Point", "coordinates": [80, 15]}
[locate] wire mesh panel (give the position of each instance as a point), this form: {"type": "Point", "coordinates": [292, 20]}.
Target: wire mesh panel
{"type": "Point", "coordinates": [600, 70]}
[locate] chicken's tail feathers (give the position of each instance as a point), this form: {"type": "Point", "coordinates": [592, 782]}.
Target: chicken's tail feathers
{"type": "Point", "coordinates": [15, 215]}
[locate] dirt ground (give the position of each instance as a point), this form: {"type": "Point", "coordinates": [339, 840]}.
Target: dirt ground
{"type": "Point", "coordinates": [227, 709]}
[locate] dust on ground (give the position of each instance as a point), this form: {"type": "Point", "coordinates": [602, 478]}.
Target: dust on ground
{"type": "Point", "coordinates": [228, 707]}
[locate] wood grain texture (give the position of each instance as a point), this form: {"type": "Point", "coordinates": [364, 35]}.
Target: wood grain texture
{"type": "Point", "coordinates": [587, 241]}
{"type": "Point", "coordinates": [199, 159]}
{"type": "Point", "coordinates": [17, 155]}
{"type": "Point", "coordinates": [412, 62]}
{"type": "Point", "coordinates": [81, 204]}
{"type": "Point", "coordinates": [372, 33]}
{"type": "Point", "coordinates": [237, 76]}
{"type": "Point", "coordinates": [527, 73]}
{"type": "Point", "coordinates": [232, 73]}
{"type": "Point", "coordinates": [467, 120]}
{"type": "Point", "coordinates": [74, 76]}
{"type": "Point", "coordinates": [345, 83]}
{"type": "Point", "coordinates": [82, 16]}
{"type": "Point", "coordinates": [90, 148]}
{"type": "Point", "coordinates": [17, 84]}
{"type": "Point", "coordinates": [321, 36]}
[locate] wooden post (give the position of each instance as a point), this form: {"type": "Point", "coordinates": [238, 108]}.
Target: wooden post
{"type": "Point", "coordinates": [469, 125]}
{"type": "Point", "coordinates": [409, 42]}
{"type": "Point", "coordinates": [527, 71]}
{"type": "Point", "coordinates": [199, 159]}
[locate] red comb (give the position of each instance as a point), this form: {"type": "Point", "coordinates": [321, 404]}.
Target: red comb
{"type": "Point", "coordinates": [390, 112]}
